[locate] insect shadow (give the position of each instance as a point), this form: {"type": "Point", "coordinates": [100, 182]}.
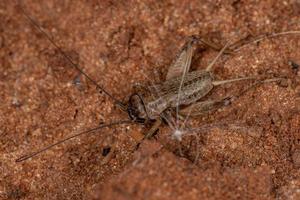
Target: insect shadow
{"type": "Point", "coordinates": [173, 100]}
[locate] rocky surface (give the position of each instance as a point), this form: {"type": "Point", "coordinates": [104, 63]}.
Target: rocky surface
{"type": "Point", "coordinates": [247, 150]}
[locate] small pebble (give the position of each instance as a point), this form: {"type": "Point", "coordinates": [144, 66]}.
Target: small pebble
{"type": "Point", "coordinates": [106, 151]}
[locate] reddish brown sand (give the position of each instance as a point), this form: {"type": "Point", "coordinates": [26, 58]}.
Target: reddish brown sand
{"type": "Point", "coordinates": [247, 150]}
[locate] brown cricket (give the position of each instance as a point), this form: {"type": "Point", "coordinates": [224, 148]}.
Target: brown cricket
{"type": "Point", "coordinates": [178, 94]}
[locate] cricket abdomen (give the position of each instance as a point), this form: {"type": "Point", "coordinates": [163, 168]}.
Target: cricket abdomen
{"type": "Point", "coordinates": [193, 90]}
{"type": "Point", "coordinates": [170, 95]}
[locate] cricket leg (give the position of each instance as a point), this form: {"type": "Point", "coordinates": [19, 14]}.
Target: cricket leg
{"type": "Point", "coordinates": [140, 138]}
{"type": "Point", "coordinates": [203, 107]}
{"type": "Point", "coordinates": [221, 82]}
{"type": "Point", "coordinates": [209, 67]}
{"type": "Point", "coordinates": [153, 129]}
{"type": "Point", "coordinates": [215, 83]}
{"type": "Point", "coordinates": [181, 65]}
{"type": "Point", "coordinates": [257, 83]}
{"type": "Point", "coordinates": [214, 46]}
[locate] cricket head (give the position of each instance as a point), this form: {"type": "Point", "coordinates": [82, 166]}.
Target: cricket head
{"type": "Point", "coordinates": [136, 108]}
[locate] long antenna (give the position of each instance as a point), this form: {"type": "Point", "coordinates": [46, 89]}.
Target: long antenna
{"type": "Point", "coordinates": [268, 36]}
{"type": "Point", "coordinates": [35, 24]}
{"type": "Point", "coordinates": [25, 157]}
{"type": "Point", "coordinates": [208, 68]}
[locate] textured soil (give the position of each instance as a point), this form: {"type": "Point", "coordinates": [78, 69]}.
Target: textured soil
{"type": "Point", "coordinates": [249, 149]}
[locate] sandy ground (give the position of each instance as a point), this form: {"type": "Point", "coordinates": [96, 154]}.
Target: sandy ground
{"type": "Point", "coordinates": [247, 150]}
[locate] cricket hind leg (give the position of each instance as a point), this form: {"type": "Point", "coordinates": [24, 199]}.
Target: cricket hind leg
{"type": "Point", "coordinates": [181, 64]}
{"type": "Point", "coordinates": [203, 107]}
{"type": "Point", "coordinates": [222, 82]}
{"type": "Point", "coordinates": [214, 46]}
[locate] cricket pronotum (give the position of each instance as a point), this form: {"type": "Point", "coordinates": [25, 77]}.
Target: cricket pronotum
{"type": "Point", "coordinates": [178, 95]}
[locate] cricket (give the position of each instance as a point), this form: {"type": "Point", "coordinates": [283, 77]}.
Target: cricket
{"type": "Point", "coordinates": [177, 97]}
